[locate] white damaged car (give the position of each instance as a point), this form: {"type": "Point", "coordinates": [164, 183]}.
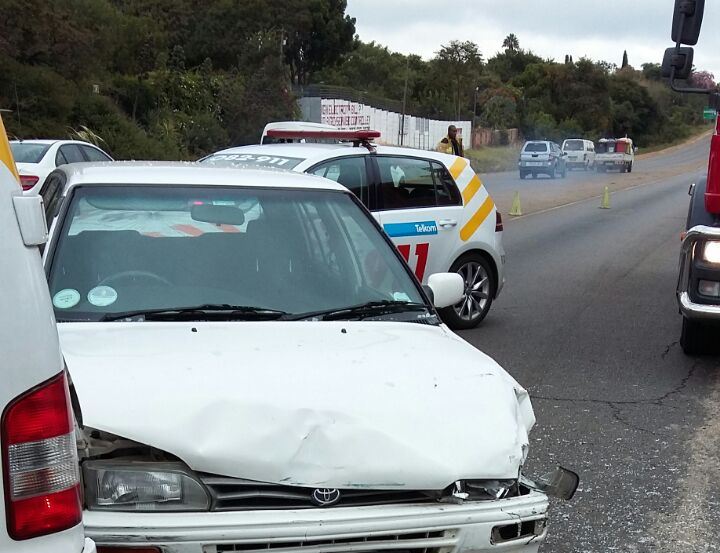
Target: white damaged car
{"type": "Point", "coordinates": [258, 369]}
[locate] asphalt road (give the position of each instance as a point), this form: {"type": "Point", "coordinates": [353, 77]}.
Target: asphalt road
{"type": "Point", "coordinates": [589, 325]}
{"type": "Point", "coordinates": [543, 192]}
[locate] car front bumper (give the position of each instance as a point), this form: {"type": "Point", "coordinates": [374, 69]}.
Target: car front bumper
{"type": "Point", "coordinates": [450, 528]}
{"type": "Point", "coordinates": [689, 308]}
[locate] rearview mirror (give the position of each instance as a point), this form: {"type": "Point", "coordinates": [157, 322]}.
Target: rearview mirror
{"type": "Point", "coordinates": [447, 289]}
{"type": "Point", "coordinates": [30, 213]}
{"type": "Point", "coordinates": [681, 59]}
{"type": "Point", "coordinates": [687, 20]}
{"type": "Point", "coordinates": [217, 214]}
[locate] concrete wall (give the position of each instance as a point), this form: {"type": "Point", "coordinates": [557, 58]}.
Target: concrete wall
{"type": "Point", "coordinates": [418, 132]}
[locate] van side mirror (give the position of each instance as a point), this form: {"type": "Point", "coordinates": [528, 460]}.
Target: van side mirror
{"type": "Point", "coordinates": [447, 289]}
{"type": "Point", "coordinates": [30, 213]}
{"type": "Point", "coordinates": [679, 59]}
{"type": "Point", "coordinates": [687, 20]}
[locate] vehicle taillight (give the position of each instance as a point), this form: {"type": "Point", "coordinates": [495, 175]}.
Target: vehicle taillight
{"type": "Point", "coordinates": [28, 181]}
{"type": "Point", "coordinates": [40, 464]}
{"type": "Point", "coordinates": [498, 222]}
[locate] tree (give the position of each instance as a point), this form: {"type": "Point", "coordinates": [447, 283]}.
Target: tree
{"type": "Point", "coordinates": [624, 60]}
{"type": "Point", "coordinates": [500, 112]}
{"type": "Point", "coordinates": [703, 79]}
{"type": "Point", "coordinates": [463, 62]}
{"type": "Point", "coordinates": [511, 43]}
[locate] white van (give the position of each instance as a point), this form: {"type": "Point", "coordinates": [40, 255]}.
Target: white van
{"type": "Point", "coordinates": [580, 153]}
{"type": "Point", "coordinates": [40, 508]}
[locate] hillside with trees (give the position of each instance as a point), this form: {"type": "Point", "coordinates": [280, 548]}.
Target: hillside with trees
{"type": "Point", "coordinates": [161, 79]}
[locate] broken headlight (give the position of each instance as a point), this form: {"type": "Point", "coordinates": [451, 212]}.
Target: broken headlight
{"type": "Point", "coordinates": [140, 486]}
{"type": "Point", "coordinates": [483, 490]}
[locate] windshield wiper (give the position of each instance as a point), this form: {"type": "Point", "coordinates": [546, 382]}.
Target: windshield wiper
{"type": "Point", "coordinates": [208, 311]}
{"type": "Point", "coordinates": [369, 309]}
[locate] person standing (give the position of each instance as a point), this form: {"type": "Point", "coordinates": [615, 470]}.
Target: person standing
{"type": "Point", "coordinates": [452, 143]}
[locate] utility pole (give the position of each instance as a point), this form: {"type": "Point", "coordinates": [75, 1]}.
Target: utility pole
{"type": "Point", "coordinates": [402, 120]}
{"type": "Point", "coordinates": [477, 89]}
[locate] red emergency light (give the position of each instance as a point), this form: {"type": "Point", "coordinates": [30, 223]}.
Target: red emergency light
{"type": "Point", "coordinates": [355, 136]}
{"type": "Point", "coordinates": [712, 191]}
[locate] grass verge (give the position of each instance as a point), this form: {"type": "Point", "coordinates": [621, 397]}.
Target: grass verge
{"type": "Point", "coordinates": [493, 159]}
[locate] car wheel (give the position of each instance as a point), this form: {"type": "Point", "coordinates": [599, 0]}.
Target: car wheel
{"type": "Point", "coordinates": [629, 169]}
{"type": "Point", "coordinates": [479, 291]}
{"type": "Point", "coordinates": [551, 174]}
{"type": "Point", "coordinates": [522, 175]}
{"type": "Point", "coordinates": [696, 337]}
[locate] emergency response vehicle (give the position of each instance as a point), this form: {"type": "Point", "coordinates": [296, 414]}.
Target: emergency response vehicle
{"type": "Point", "coordinates": [614, 153]}
{"type": "Point", "coordinates": [40, 499]}
{"type": "Point", "coordinates": [432, 205]}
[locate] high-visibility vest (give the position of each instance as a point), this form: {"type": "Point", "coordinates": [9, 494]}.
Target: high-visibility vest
{"type": "Point", "coordinates": [445, 146]}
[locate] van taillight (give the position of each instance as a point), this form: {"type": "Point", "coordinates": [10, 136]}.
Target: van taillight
{"type": "Point", "coordinates": [40, 464]}
{"type": "Point", "coordinates": [498, 222]}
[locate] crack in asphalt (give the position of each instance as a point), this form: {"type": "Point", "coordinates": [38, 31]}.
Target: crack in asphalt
{"type": "Point", "coordinates": [670, 346]}
{"type": "Point", "coordinates": [613, 404]}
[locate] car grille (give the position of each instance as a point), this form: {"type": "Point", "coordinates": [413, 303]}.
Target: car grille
{"type": "Point", "coordinates": [416, 542]}
{"type": "Point", "coordinates": [236, 494]}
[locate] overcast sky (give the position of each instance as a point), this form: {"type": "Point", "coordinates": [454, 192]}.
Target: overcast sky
{"type": "Point", "coordinates": [599, 29]}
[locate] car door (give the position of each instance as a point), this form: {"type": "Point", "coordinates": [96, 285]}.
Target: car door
{"type": "Point", "coordinates": [420, 209]}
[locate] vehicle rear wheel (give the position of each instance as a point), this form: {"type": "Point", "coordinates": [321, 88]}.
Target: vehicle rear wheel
{"type": "Point", "coordinates": [479, 292]}
{"type": "Point", "coordinates": [696, 337]}
{"type": "Point", "coordinates": [629, 169]}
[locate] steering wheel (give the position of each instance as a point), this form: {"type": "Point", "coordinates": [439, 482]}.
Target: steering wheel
{"type": "Point", "coordinates": [127, 275]}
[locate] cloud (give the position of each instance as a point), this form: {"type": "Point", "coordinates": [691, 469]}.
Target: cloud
{"type": "Point", "coordinates": [600, 30]}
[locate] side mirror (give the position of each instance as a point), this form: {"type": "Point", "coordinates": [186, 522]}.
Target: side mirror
{"type": "Point", "coordinates": [680, 59]}
{"type": "Point", "coordinates": [687, 20]}
{"type": "Point", "coordinates": [447, 289]}
{"type": "Point", "coordinates": [30, 213]}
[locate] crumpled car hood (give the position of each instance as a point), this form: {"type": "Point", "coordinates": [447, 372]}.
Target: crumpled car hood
{"type": "Point", "coordinates": [383, 405]}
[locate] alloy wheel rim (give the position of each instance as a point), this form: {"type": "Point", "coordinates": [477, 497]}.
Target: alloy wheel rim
{"type": "Point", "coordinates": [477, 291]}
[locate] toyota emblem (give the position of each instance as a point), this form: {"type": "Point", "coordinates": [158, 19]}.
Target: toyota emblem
{"type": "Point", "coordinates": [324, 497]}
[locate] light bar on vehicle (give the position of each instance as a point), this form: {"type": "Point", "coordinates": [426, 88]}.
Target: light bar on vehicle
{"type": "Point", "coordinates": [355, 136]}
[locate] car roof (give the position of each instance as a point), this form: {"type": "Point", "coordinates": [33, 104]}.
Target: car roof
{"type": "Point", "coordinates": [50, 141]}
{"type": "Point", "coordinates": [319, 152]}
{"type": "Point", "coordinates": [188, 173]}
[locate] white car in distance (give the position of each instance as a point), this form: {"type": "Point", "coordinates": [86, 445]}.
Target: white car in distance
{"type": "Point", "coordinates": [257, 368]}
{"type": "Point", "coordinates": [36, 159]}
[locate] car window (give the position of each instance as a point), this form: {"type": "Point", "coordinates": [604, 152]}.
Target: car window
{"type": "Point", "coordinates": [125, 248]}
{"type": "Point", "coordinates": [406, 182]}
{"type": "Point", "coordinates": [348, 171]}
{"type": "Point", "coordinates": [93, 154]}
{"type": "Point", "coordinates": [535, 147]}
{"type": "Point", "coordinates": [51, 193]}
{"type": "Point", "coordinates": [70, 153]}
{"type": "Point", "coordinates": [447, 191]}
{"type": "Point", "coordinates": [24, 152]}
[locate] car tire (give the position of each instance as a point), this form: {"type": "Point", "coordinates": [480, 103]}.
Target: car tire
{"type": "Point", "coordinates": [696, 338]}
{"type": "Point", "coordinates": [522, 175]}
{"type": "Point", "coordinates": [480, 288]}
{"type": "Point", "coordinates": [629, 167]}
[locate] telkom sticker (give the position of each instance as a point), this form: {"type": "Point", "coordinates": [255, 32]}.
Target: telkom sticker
{"type": "Point", "coordinates": [422, 228]}
{"type": "Point", "coordinates": [67, 298]}
{"type": "Point", "coordinates": [102, 296]}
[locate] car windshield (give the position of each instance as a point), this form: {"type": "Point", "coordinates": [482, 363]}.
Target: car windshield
{"type": "Point", "coordinates": [28, 152]}
{"type": "Point", "coordinates": [536, 147]}
{"type": "Point", "coordinates": [573, 145]}
{"type": "Point", "coordinates": [253, 160]}
{"type": "Point", "coordinates": [132, 248]}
